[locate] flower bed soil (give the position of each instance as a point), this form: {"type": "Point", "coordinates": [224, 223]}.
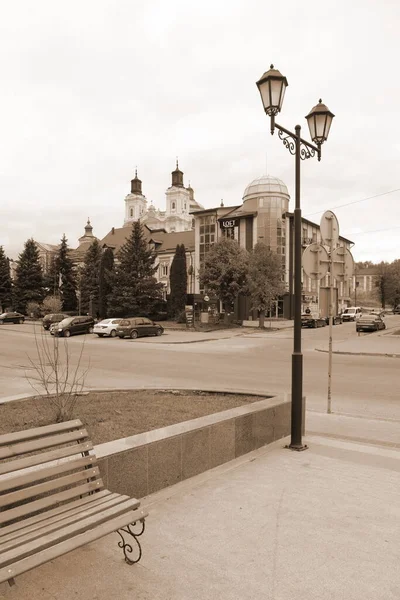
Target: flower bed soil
{"type": "Point", "coordinates": [113, 415]}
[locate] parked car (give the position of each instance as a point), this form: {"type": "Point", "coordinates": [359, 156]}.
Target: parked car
{"type": "Point", "coordinates": [52, 318]}
{"type": "Point", "coordinates": [396, 310]}
{"type": "Point", "coordinates": [337, 320]}
{"type": "Point", "coordinates": [371, 322]}
{"type": "Point", "coordinates": [138, 327]}
{"type": "Point", "coordinates": [106, 327]}
{"type": "Point", "coordinates": [352, 313]}
{"type": "Point", "coordinates": [309, 320]}
{"type": "Point", "coordinates": [73, 326]}
{"type": "Point", "coordinates": [11, 317]}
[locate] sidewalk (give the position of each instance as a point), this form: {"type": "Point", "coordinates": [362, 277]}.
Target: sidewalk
{"type": "Point", "coordinates": [322, 524]}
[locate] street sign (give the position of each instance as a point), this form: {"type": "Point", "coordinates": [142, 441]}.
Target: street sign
{"type": "Point", "coordinates": [342, 264]}
{"type": "Point", "coordinates": [329, 229]}
{"type": "Point", "coordinates": [315, 261]}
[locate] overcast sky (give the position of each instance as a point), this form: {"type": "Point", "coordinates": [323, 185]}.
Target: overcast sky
{"type": "Point", "coordinates": [92, 88]}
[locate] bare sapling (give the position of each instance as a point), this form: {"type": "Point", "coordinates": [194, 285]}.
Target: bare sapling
{"type": "Point", "coordinates": [55, 376]}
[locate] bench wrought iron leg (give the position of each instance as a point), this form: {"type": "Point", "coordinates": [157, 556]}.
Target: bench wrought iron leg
{"type": "Point", "coordinates": [127, 547]}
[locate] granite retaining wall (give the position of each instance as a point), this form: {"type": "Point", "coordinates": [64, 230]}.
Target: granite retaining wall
{"type": "Point", "coordinates": [145, 463]}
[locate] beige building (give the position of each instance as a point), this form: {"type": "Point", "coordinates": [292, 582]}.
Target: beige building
{"type": "Point", "coordinates": [264, 216]}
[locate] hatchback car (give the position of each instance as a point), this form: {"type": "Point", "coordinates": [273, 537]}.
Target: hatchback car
{"type": "Point", "coordinates": [138, 327]}
{"type": "Point", "coordinates": [11, 317]}
{"type": "Point", "coordinates": [372, 322]}
{"type": "Point", "coordinates": [73, 326]}
{"type": "Point", "coordinates": [52, 318]}
{"type": "Point", "coordinates": [336, 320]}
{"type": "Point", "coordinates": [107, 327]}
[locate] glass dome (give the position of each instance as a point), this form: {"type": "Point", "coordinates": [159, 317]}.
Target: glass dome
{"type": "Point", "coordinates": [265, 185]}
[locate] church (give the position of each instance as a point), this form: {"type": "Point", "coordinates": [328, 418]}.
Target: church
{"type": "Point", "coordinates": [176, 217]}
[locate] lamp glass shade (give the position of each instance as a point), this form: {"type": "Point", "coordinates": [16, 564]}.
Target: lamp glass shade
{"type": "Point", "coordinates": [319, 122]}
{"type": "Point", "coordinates": [272, 86]}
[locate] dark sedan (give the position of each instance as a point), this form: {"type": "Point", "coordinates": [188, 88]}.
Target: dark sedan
{"type": "Point", "coordinates": [372, 322]}
{"type": "Point", "coordinates": [336, 320]}
{"type": "Point", "coordinates": [138, 327]}
{"type": "Point", "coordinates": [11, 317]}
{"type": "Point", "coordinates": [308, 320]}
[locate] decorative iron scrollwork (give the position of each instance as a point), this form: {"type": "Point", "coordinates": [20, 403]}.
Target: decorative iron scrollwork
{"type": "Point", "coordinates": [288, 141]}
{"type": "Point", "coordinates": [126, 547]}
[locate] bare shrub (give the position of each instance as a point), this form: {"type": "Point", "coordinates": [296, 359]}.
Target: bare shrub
{"type": "Point", "coordinates": [51, 304]}
{"type": "Point", "coordinates": [54, 375]}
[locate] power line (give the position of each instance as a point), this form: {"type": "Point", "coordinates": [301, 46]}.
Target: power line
{"type": "Point", "coordinates": [355, 202]}
{"type": "Point", "coordinates": [373, 231]}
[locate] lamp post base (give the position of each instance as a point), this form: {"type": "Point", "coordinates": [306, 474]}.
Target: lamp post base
{"type": "Point", "coordinates": [296, 447]}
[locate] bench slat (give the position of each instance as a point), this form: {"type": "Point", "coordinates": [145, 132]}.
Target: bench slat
{"type": "Point", "coordinates": [45, 472]}
{"type": "Point", "coordinates": [69, 531]}
{"type": "Point", "coordinates": [60, 523]}
{"type": "Point", "coordinates": [42, 443]}
{"type": "Point", "coordinates": [66, 546]}
{"type": "Point", "coordinates": [36, 505]}
{"type": "Point", "coordinates": [38, 459]}
{"type": "Point", "coordinates": [48, 486]}
{"type": "Point", "coordinates": [37, 432]}
{"type": "Point", "coordinates": [20, 527]}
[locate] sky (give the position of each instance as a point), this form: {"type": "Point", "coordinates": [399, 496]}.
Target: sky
{"type": "Point", "coordinates": [92, 89]}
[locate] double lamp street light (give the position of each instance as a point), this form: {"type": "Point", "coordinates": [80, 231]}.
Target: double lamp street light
{"type": "Point", "coordinates": [272, 86]}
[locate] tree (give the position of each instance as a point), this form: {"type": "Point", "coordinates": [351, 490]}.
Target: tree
{"type": "Point", "coordinates": [178, 282]}
{"type": "Point", "coordinates": [105, 280]}
{"type": "Point", "coordinates": [135, 291]}
{"type": "Point", "coordinates": [90, 278]}
{"type": "Point", "coordinates": [224, 271]}
{"type": "Point", "coordinates": [66, 281]}
{"type": "Point", "coordinates": [265, 279]}
{"type": "Point", "coordinates": [382, 282]}
{"type": "Point", "coordinates": [5, 282]}
{"type": "Point", "coordinates": [29, 278]}
{"type": "Point", "coordinates": [393, 285]}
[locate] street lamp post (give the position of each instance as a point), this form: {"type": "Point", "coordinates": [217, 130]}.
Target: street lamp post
{"type": "Point", "coordinates": [272, 86]}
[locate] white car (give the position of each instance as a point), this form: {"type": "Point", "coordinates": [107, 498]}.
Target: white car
{"type": "Point", "coordinates": [106, 328]}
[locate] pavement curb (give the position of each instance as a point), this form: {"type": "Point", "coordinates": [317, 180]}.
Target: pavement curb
{"type": "Point", "coordinates": [384, 354]}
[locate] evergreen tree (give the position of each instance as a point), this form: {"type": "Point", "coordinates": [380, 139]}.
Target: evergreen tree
{"type": "Point", "coordinates": [66, 282]}
{"type": "Point", "coordinates": [135, 291]}
{"type": "Point", "coordinates": [50, 278]}
{"type": "Point", "coordinates": [105, 286]}
{"type": "Point", "coordinates": [178, 282]}
{"type": "Point", "coordinates": [29, 277]}
{"type": "Point", "coordinates": [90, 278]}
{"type": "Point", "coordinates": [5, 282]}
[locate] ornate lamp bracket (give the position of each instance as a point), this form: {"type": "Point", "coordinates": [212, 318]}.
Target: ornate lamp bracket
{"type": "Point", "coordinates": [289, 139]}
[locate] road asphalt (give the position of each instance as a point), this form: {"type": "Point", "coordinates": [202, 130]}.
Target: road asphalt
{"type": "Point", "coordinates": [322, 524]}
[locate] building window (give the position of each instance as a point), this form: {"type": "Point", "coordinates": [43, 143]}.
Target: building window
{"type": "Point", "coordinates": [164, 270]}
{"type": "Point", "coordinates": [207, 235]}
{"type": "Point", "coordinates": [184, 206]}
{"type": "Point", "coordinates": [173, 206]}
{"type": "Point", "coordinates": [131, 212]}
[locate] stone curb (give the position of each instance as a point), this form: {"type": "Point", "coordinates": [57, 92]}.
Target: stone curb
{"type": "Point", "coordinates": [385, 354]}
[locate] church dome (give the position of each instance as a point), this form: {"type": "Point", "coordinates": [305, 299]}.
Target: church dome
{"type": "Point", "coordinates": [265, 185]}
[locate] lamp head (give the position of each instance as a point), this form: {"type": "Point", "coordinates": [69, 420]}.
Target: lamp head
{"type": "Point", "coordinates": [319, 121]}
{"type": "Point", "coordinates": [272, 86]}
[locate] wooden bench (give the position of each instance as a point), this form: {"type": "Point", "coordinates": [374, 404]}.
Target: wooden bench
{"type": "Point", "coordinates": [52, 499]}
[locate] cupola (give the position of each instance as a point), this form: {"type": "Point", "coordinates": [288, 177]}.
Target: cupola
{"type": "Point", "coordinates": [177, 176]}
{"type": "Point", "coordinates": [136, 185]}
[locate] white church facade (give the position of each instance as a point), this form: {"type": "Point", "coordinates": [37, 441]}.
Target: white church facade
{"type": "Point", "coordinates": [180, 202]}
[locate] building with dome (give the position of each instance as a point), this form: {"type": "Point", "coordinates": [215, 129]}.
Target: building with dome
{"type": "Point", "coordinates": [264, 216]}
{"type": "Point", "coordinates": [180, 203]}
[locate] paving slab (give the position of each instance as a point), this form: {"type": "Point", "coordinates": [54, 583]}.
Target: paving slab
{"type": "Point", "coordinates": [322, 524]}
